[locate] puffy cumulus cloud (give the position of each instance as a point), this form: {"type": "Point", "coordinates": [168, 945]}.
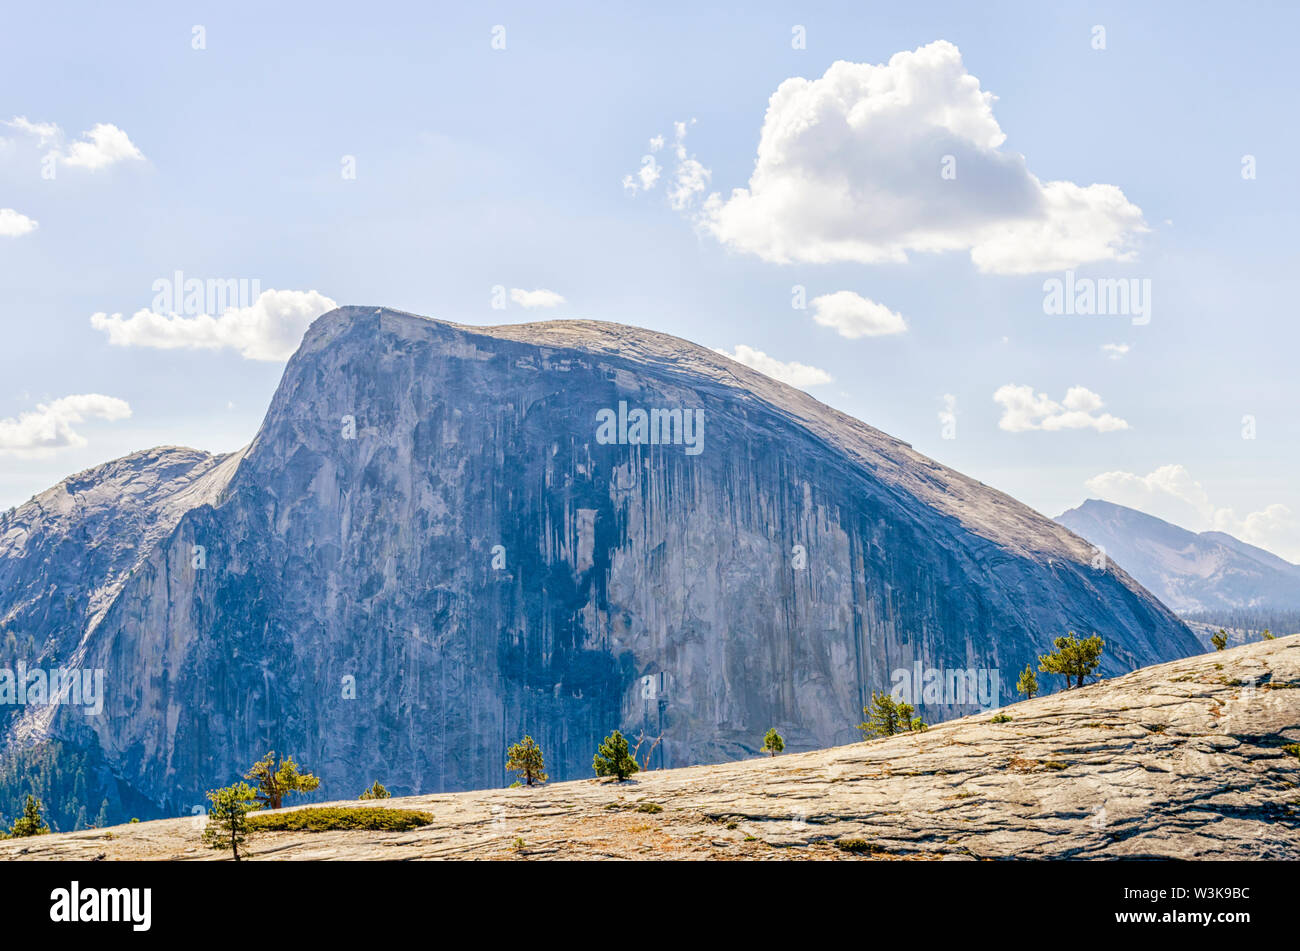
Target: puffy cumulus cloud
{"type": "Point", "coordinates": [1171, 493]}
{"type": "Point", "coordinates": [795, 374]}
{"type": "Point", "coordinates": [853, 315]}
{"type": "Point", "coordinates": [50, 426]}
{"type": "Point", "coordinates": [269, 329]}
{"type": "Point", "coordinates": [1023, 410]}
{"type": "Point", "coordinates": [871, 162]}
{"type": "Point", "coordinates": [105, 144]}
{"type": "Point", "coordinates": [14, 224]}
{"type": "Point", "coordinates": [531, 300]}
{"type": "Point", "coordinates": [1115, 350]}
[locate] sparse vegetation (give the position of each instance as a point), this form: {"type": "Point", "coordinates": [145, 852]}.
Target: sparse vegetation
{"type": "Point", "coordinates": [613, 758]}
{"type": "Point", "coordinates": [773, 743]}
{"type": "Point", "coordinates": [1220, 640]}
{"type": "Point", "coordinates": [228, 823]}
{"type": "Point", "coordinates": [525, 758]}
{"type": "Point", "coordinates": [334, 818]}
{"type": "Point", "coordinates": [650, 807]}
{"type": "Point", "coordinates": [377, 791]}
{"type": "Point", "coordinates": [274, 783]}
{"type": "Point", "coordinates": [1073, 659]}
{"type": "Point", "coordinates": [1000, 718]}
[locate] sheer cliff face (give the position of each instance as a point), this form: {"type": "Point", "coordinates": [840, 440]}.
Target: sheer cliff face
{"type": "Point", "coordinates": [433, 547]}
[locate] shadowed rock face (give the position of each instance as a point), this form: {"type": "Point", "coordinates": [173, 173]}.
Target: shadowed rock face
{"type": "Point", "coordinates": [354, 609]}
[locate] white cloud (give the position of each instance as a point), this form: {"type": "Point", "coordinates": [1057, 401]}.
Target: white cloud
{"type": "Point", "coordinates": [534, 299]}
{"type": "Point", "coordinates": [853, 315]}
{"type": "Point", "coordinates": [101, 146]}
{"type": "Point", "coordinates": [104, 145]}
{"type": "Point", "coordinates": [49, 426]}
{"type": "Point", "coordinates": [13, 224]}
{"type": "Point", "coordinates": [1171, 493]}
{"type": "Point", "coordinates": [849, 169]}
{"type": "Point", "coordinates": [689, 178]}
{"type": "Point", "coordinates": [795, 374]}
{"type": "Point", "coordinates": [44, 131]}
{"type": "Point", "coordinates": [1115, 350]}
{"type": "Point", "coordinates": [948, 415]}
{"type": "Point", "coordinates": [270, 329]}
{"type": "Point", "coordinates": [1022, 410]}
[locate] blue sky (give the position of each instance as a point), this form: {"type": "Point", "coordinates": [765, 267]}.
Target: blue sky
{"type": "Point", "coordinates": [479, 167]}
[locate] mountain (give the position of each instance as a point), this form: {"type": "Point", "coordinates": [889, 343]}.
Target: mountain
{"type": "Point", "coordinates": [1190, 572]}
{"type": "Point", "coordinates": [1185, 760]}
{"type": "Point", "coordinates": [444, 537]}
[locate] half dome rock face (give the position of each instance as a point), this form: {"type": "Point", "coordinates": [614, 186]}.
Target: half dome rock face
{"type": "Point", "coordinates": [445, 537]}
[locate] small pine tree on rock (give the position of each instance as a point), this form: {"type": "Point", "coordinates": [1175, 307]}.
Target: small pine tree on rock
{"type": "Point", "coordinates": [227, 826]}
{"type": "Point", "coordinates": [1220, 640]}
{"type": "Point", "coordinates": [1073, 659]}
{"type": "Point", "coordinates": [1028, 683]}
{"type": "Point", "coordinates": [613, 758]}
{"type": "Point", "coordinates": [274, 783]}
{"type": "Point", "coordinates": [30, 822]}
{"type": "Point", "coordinates": [525, 758]}
{"type": "Point", "coordinates": [887, 717]}
{"type": "Point", "coordinates": [377, 791]}
{"type": "Point", "coordinates": [773, 742]}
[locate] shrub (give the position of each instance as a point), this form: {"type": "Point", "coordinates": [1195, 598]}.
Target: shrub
{"type": "Point", "coordinates": [333, 818]}
{"type": "Point", "coordinates": [1220, 640]}
{"type": "Point", "coordinates": [377, 791]}
{"type": "Point", "coordinates": [1000, 718]}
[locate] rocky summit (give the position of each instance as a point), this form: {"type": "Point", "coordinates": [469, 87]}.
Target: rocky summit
{"type": "Point", "coordinates": [1185, 760]}
{"type": "Point", "coordinates": [444, 537]}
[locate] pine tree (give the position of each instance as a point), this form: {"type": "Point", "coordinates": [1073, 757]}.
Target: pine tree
{"type": "Point", "coordinates": [227, 826]}
{"type": "Point", "coordinates": [274, 783]}
{"type": "Point", "coordinates": [1073, 659]}
{"type": "Point", "coordinates": [101, 820]}
{"type": "Point", "coordinates": [30, 823]}
{"type": "Point", "coordinates": [1220, 640]}
{"type": "Point", "coordinates": [772, 742]}
{"type": "Point", "coordinates": [1028, 683]}
{"type": "Point", "coordinates": [613, 759]}
{"type": "Point", "coordinates": [377, 791]}
{"type": "Point", "coordinates": [525, 758]}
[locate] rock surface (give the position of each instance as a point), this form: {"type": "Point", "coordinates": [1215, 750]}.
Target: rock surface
{"type": "Point", "coordinates": [426, 553]}
{"type": "Point", "coordinates": [1182, 760]}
